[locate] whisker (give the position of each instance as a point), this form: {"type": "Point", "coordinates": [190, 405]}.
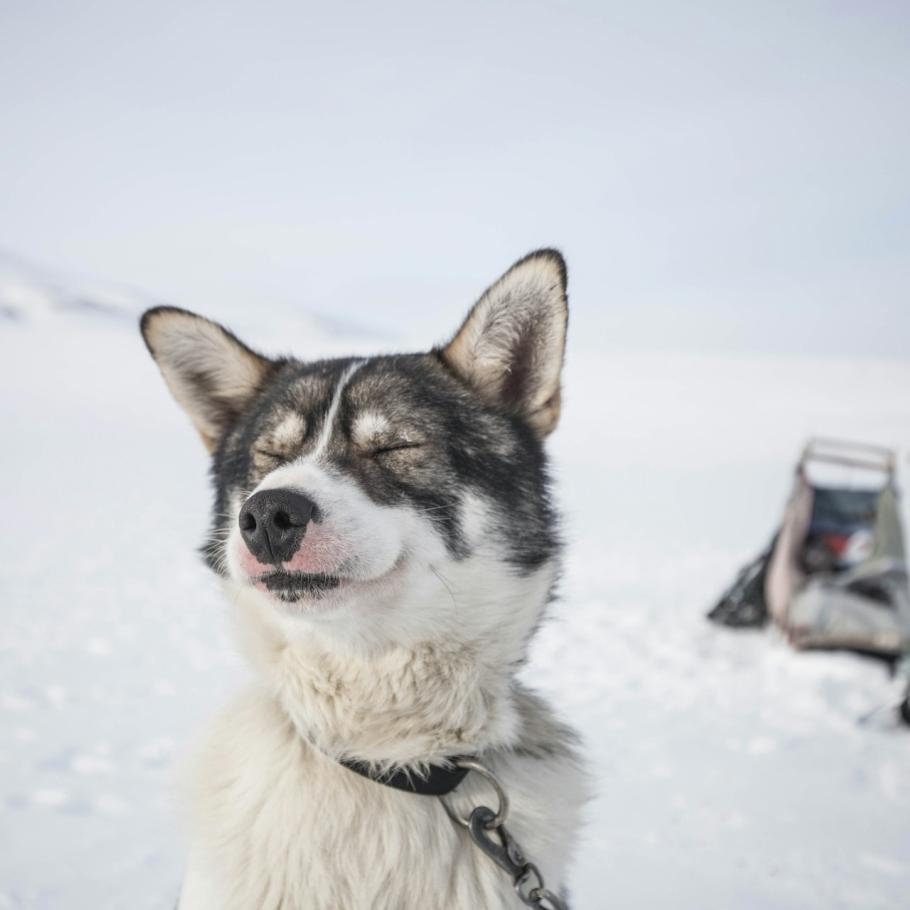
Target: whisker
{"type": "Point", "coordinates": [445, 583]}
{"type": "Point", "coordinates": [447, 505]}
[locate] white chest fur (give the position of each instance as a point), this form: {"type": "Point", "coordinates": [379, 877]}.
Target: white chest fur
{"type": "Point", "coordinates": [277, 824]}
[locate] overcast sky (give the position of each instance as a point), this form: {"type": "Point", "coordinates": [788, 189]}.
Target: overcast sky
{"type": "Point", "coordinates": [720, 176]}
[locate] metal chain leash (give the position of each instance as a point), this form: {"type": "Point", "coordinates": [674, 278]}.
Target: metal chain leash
{"type": "Point", "coordinates": [488, 831]}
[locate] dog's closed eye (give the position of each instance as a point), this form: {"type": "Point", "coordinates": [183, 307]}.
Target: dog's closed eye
{"type": "Point", "coordinates": [269, 458]}
{"type": "Point", "coordinates": [400, 445]}
{"type": "Point", "coordinates": [266, 453]}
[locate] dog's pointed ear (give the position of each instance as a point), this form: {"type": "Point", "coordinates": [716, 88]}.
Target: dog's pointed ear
{"type": "Point", "coordinates": [510, 348]}
{"type": "Point", "coordinates": [210, 372]}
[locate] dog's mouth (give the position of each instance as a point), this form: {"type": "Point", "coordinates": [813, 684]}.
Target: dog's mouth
{"type": "Point", "coordinates": [292, 586]}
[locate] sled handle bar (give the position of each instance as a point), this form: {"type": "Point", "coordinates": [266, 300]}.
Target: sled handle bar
{"type": "Point", "coordinates": [850, 454]}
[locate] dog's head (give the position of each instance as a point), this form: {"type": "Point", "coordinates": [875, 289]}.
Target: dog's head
{"type": "Point", "coordinates": [394, 496]}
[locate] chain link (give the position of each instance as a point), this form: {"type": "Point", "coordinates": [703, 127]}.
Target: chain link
{"type": "Point", "coordinates": [488, 831]}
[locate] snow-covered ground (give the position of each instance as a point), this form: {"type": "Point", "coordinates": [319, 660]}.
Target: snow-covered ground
{"type": "Point", "coordinates": [731, 772]}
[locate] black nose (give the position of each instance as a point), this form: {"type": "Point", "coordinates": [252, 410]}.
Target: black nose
{"type": "Point", "coordinates": [273, 523]}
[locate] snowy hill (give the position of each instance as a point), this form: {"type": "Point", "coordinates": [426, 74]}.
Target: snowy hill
{"type": "Point", "coordinates": [29, 292]}
{"type": "Point", "coordinates": [730, 771]}
{"type": "Point", "coordinates": [33, 294]}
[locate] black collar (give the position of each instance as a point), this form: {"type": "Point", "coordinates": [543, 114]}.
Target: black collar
{"type": "Point", "coordinates": [438, 781]}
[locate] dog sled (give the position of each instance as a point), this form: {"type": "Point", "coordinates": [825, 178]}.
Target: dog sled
{"type": "Point", "coordinates": [834, 575]}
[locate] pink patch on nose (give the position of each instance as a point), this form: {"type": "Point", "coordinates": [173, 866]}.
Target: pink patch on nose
{"type": "Point", "coordinates": [320, 551]}
{"type": "Point", "coordinates": [249, 563]}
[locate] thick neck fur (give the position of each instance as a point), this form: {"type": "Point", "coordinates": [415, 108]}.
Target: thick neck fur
{"type": "Point", "coordinates": [399, 705]}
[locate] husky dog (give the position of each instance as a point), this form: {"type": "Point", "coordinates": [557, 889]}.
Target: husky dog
{"type": "Point", "coordinates": [384, 530]}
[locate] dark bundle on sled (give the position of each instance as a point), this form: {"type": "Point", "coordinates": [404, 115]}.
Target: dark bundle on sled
{"type": "Point", "coordinates": [743, 604]}
{"type": "Point", "coordinates": [835, 573]}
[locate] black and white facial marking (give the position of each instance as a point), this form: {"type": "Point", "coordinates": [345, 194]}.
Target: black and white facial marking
{"type": "Point", "coordinates": [386, 479]}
